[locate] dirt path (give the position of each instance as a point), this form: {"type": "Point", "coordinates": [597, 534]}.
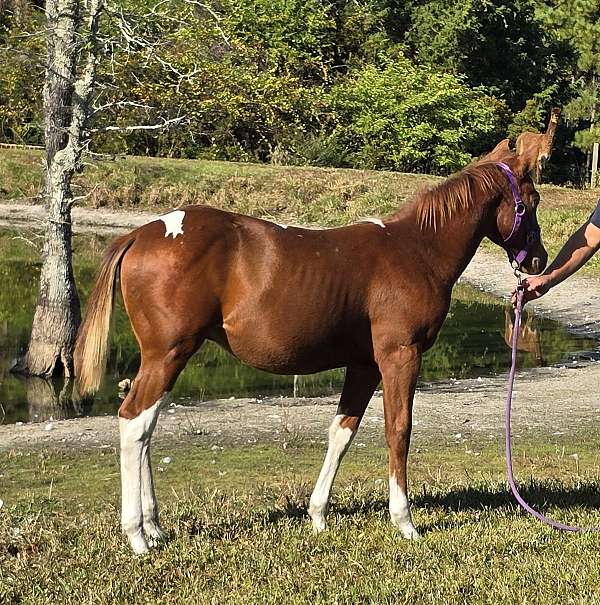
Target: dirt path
{"type": "Point", "coordinates": [551, 401]}
{"type": "Point", "coordinates": [98, 220]}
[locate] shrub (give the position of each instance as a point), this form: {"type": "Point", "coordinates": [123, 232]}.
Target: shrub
{"type": "Point", "coordinates": [406, 117]}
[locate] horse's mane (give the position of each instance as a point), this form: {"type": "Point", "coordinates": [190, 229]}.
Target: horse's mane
{"type": "Point", "coordinates": [457, 194]}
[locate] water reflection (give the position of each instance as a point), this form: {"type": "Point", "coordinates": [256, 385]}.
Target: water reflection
{"type": "Point", "coordinates": [529, 341]}
{"type": "Point", "coordinates": [53, 399]}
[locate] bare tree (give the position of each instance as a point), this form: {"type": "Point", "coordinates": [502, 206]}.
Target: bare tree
{"type": "Point", "coordinates": [74, 48]}
{"type": "Point", "coordinates": [71, 36]}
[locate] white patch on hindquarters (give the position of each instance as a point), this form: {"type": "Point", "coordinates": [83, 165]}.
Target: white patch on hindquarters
{"type": "Point", "coordinates": [375, 221]}
{"type": "Point", "coordinates": [173, 223]}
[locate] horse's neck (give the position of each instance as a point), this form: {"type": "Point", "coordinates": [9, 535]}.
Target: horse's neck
{"type": "Point", "coordinates": [453, 246]}
{"type": "Point", "coordinates": [547, 140]}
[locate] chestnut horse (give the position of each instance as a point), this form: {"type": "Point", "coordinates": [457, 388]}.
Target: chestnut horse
{"type": "Point", "coordinates": [370, 297]}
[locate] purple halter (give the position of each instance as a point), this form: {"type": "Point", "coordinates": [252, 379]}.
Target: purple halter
{"type": "Point", "coordinates": [522, 220]}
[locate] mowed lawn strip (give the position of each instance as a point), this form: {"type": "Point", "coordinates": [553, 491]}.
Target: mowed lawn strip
{"type": "Point", "coordinates": [239, 531]}
{"type": "Point", "coordinates": [298, 195]}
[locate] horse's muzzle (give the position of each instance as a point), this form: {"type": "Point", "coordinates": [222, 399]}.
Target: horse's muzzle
{"type": "Point", "coordinates": [536, 264]}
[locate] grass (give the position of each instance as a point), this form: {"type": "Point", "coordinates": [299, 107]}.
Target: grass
{"type": "Point", "coordinates": [303, 195]}
{"type": "Point", "coordinates": [239, 532]}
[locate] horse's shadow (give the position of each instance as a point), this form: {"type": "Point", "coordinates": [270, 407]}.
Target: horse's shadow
{"type": "Point", "coordinates": [543, 495]}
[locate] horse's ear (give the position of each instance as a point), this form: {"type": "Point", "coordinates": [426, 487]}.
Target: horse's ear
{"type": "Point", "coordinates": [501, 152]}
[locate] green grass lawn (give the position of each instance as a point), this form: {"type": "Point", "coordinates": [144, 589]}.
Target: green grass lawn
{"type": "Point", "coordinates": [239, 531]}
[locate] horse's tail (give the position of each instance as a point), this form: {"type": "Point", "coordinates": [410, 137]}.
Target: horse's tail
{"type": "Point", "coordinates": [91, 348]}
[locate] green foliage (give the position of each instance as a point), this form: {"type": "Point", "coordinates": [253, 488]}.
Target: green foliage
{"type": "Point", "coordinates": [578, 25]}
{"type": "Point", "coordinates": [270, 80]}
{"type": "Point", "coordinates": [498, 44]}
{"type": "Point", "coordinates": [507, 47]}
{"type": "Point", "coordinates": [411, 118]}
{"type": "Point", "coordinates": [291, 37]}
{"type": "Point", "coordinates": [21, 75]}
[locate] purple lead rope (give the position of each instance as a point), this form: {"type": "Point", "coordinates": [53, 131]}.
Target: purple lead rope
{"type": "Point", "coordinates": [509, 469]}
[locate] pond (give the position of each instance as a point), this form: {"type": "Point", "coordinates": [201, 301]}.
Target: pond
{"type": "Point", "coordinates": [471, 344]}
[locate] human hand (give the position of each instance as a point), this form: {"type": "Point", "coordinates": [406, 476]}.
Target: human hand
{"type": "Point", "coordinates": [533, 287]}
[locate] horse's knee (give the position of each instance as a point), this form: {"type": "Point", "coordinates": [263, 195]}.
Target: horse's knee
{"type": "Point", "coordinates": [397, 435]}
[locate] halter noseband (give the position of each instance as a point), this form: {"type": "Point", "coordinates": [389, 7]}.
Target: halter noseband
{"type": "Point", "coordinates": [522, 220]}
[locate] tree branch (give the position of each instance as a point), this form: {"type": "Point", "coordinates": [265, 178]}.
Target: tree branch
{"type": "Point", "coordinates": [163, 124]}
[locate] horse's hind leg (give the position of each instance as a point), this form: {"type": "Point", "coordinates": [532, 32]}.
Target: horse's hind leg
{"type": "Point", "coordinates": [358, 388]}
{"type": "Point", "coordinates": [152, 529]}
{"type": "Point", "coordinates": [137, 419]}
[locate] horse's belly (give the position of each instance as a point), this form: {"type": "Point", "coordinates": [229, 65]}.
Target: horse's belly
{"type": "Point", "coordinates": [284, 355]}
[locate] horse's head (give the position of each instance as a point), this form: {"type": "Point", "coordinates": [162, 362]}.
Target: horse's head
{"type": "Point", "coordinates": [516, 226]}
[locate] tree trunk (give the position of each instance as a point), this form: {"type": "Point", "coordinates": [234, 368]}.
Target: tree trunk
{"type": "Point", "coordinates": [57, 313]}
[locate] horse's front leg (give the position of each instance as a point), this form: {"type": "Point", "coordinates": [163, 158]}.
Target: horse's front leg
{"type": "Point", "coordinates": [358, 389]}
{"type": "Point", "coordinates": [400, 370]}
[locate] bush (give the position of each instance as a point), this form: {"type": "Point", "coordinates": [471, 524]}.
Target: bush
{"type": "Point", "coordinates": [410, 118]}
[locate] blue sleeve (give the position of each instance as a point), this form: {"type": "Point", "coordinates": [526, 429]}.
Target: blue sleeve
{"type": "Point", "coordinates": [595, 218]}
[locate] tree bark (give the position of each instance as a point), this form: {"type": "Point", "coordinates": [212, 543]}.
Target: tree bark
{"type": "Point", "coordinates": [57, 313]}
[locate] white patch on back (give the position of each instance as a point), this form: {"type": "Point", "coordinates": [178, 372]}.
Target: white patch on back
{"type": "Point", "coordinates": [282, 225]}
{"type": "Point", "coordinates": [173, 223]}
{"type": "Point", "coordinates": [375, 221]}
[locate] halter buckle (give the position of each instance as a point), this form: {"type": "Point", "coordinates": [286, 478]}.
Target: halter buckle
{"type": "Point", "coordinates": [517, 273]}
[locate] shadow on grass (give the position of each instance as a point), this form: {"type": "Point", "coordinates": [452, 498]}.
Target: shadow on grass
{"type": "Point", "coordinates": [542, 494]}
{"type": "Point", "coordinates": [359, 502]}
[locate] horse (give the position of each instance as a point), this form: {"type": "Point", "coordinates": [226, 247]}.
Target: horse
{"type": "Point", "coordinates": [369, 297]}
{"type": "Point", "coordinates": [539, 143]}
{"type": "Point", "coordinates": [529, 337]}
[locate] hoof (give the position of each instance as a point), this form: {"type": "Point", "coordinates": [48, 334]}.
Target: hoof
{"type": "Point", "coordinates": [319, 525]}
{"type": "Point", "coordinates": [318, 521]}
{"type": "Point", "coordinates": [154, 534]}
{"type": "Point", "coordinates": [410, 533]}
{"type": "Point", "coordinates": [138, 543]}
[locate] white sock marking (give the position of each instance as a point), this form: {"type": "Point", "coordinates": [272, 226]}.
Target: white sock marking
{"type": "Point", "coordinates": [339, 441]}
{"type": "Point", "coordinates": [136, 481]}
{"type": "Point", "coordinates": [173, 223]}
{"type": "Point", "coordinates": [400, 511]}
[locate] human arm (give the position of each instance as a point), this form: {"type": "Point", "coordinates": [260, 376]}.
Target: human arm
{"type": "Point", "coordinates": [580, 247]}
